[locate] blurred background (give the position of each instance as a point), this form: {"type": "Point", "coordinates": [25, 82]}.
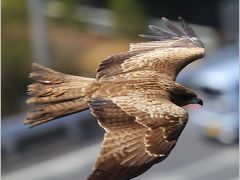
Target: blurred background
{"type": "Point", "coordinates": [73, 36]}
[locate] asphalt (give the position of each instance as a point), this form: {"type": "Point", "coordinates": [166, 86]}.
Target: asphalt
{"type": "Point", "coordinates": [193, 158]}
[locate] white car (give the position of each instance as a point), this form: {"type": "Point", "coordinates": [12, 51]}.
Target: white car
{"type": "Point", "coordinates": [217, 84]}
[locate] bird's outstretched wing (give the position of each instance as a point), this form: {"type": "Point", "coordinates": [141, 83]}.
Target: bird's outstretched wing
{"type": "Point", "coordinates": [169, 52]}
{"type": "Point", "coordinates": [139, 133]}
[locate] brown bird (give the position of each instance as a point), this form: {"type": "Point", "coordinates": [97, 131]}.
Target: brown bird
{"type": "Point", "coordinates": [134, 97]}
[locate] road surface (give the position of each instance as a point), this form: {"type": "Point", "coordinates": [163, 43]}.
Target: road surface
{"type": "Point", "coordinates": [193, 158]}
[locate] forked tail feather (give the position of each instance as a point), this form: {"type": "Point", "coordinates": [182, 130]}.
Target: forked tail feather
{"type": "Point", "coordinates": [54, 94]}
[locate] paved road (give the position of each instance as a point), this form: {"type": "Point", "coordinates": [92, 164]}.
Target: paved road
{"type": "Point", "coordinates": [193, 158]}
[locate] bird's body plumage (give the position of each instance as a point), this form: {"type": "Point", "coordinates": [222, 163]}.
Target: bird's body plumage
{"type": "Point", "coordinates": [134, 97]}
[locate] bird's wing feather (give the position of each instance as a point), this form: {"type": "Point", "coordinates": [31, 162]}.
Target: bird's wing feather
{"type": "Point", "coordinates": [172, 51]}
{"type": "Point", "coordinates": [112, 64]}
{"type": "Point", "coordinates": [139, 133]}
{"type": "Point", "coordinates": [163, 119]}
{"type": "Point", "coordinates": [122, 154]}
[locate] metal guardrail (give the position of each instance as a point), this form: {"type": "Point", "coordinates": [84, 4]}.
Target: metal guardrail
{"type": "Point", "coordinates": [14, 132]}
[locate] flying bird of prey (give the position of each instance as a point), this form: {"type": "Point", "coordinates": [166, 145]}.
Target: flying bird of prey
{"type": "Point", "coordinates": [134, 97]}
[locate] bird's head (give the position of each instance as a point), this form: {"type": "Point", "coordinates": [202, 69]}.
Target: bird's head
{"type": "Point", "coordinates": [193, 103]}
{"type": "Point", "coordinates": [183, 96]}
{"type": "Point", "coordinates": [196, 100]}
{"type": "Point", "coordinates": [183, 101]}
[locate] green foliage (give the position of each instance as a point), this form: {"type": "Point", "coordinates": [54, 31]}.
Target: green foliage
{"type": "Point", "coordinates": [13, 11]}
{"type": "Point", "coordinates": [15, 54]}
{"type": "Point", "coordinates": [129, 17]}
{"type": "Point", "coordinates": [61, 12]}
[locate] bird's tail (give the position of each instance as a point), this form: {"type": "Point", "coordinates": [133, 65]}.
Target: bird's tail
{"type": "Point", "coordinates": [55, 94]}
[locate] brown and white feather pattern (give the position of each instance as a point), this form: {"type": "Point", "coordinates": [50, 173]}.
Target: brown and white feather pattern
{"type": "Point", "coordinates": [134, 97]}
{"type": "Point", "coordinates": [56, 94]}
{"type": "Point", "coordinates": [168, 55]}
{"type": "Point", "coordinates": [123, 153]}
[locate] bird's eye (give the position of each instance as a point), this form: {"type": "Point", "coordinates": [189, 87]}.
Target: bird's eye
{"type": "Point", "coordinates": [194, 39]}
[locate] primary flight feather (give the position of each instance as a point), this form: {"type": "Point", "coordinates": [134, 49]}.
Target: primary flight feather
{"type": "Point", "coordinates": [134, 97]}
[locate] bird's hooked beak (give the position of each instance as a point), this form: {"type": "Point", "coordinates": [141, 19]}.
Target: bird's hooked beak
{"type": "Point", "coordinates": [197, 101]}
